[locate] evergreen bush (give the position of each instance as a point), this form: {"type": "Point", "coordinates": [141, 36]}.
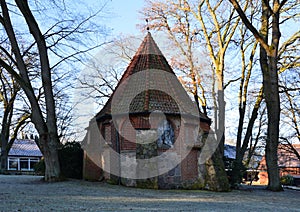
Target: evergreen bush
{"type": "Point", "coordinates": [287, 180]}
{"type": "Point", "coordinates": [70, 157]}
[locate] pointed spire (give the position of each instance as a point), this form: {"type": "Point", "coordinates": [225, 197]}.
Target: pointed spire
{"type": "Point", "coordinates": [148, 46]}
{"type": "Point", "coordinates": [154, 72]}
{"type": "Point", "coordinates": [148, 56]}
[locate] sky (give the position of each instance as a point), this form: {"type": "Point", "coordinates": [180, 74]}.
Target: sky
{"type": "Point", "coordinates": [126, 16]}
{"type": "Point", "coordinates": [122, 18]}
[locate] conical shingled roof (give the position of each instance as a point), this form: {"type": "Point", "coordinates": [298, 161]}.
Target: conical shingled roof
{"type": "Point", "coordinates": [149, 84]}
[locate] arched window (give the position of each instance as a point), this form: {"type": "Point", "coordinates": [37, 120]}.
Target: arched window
{"type": "Point", "coordinates": [166, 135]}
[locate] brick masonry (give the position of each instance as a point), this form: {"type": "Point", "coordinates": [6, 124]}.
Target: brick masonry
{"type": "Point", "coordinates": [133, 135]}
{"type": "Point", "coordinates": [138, 141]}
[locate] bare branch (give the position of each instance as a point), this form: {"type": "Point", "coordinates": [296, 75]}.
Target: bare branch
{"type": "Point", "coordinates": [250, 26]}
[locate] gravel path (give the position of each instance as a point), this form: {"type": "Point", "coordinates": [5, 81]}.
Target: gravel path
{"type": "Point", "coordinates": [29, 193]}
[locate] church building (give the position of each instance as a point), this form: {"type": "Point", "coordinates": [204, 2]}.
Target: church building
{"type": "Point", "coordinates": [150, 134]}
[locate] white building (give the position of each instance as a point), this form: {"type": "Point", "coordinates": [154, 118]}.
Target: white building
{"type": "Point", "coordinates": [23, 155]}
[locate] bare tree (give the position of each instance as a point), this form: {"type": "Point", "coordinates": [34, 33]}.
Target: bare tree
{"type": "Point", "coordinates": [218, 34]}
{"type": "Point", "coordinates": [47, 129]}
{"type": "Point", "coordinates": [102, 73]}
{"type": "Point", "coordinates": [12, 118]}
{"type": "Point", "coordinates": [100, 84]}
{"type": "Point", "coordinates": [289, 147]}
{"type": "Point", "coordinates": [247, 65]}
{"type": "Point", "coordinates": [290, 111]}
{"type": "Point", "coordinates": [269, 39]}
{"type": "Point", "coordinates": [288, 50]}
{"type": "Point", "coordinates": [191, 22]}
{"type": "Point", "coordinates": [9, 126]}
{"type": "Point", "coordinates": [55, 40]}
{"type": "Point", "coordinates": [289, 88]}
{"type": "Point", "coordinates": [178, 24]}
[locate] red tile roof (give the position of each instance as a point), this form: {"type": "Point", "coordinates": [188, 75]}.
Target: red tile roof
{"type": "Point", "coordinates": [149, 84]}
{"type": "Point", "coordinates": [286, 157]}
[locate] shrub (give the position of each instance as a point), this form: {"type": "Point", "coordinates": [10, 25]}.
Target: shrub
{"type": "Point", "coordinates": [71, 160]}
{"type": "Point", "coordinates": [287, 180]}
{"type": "Point", "coordinates": [70, 157]}
{"type": "Point", "coordinates": [39, 167]}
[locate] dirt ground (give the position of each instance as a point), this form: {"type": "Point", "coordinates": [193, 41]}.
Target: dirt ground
{"type": "Point", "coordinates": [29, 193]}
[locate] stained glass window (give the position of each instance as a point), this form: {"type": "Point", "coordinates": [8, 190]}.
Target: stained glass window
{"type": "Point", "coordinates": [166, 135]}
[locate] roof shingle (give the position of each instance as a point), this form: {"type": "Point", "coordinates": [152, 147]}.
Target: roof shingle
{"type": "Point", "coordinates": [25, 147]}
{"type": "Point", "coordinates": [149, 84]}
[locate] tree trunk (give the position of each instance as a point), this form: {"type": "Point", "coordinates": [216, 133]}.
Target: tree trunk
{"type": "Point", "coordinates": [4, 153]}
{"type": "Point", "coordinates": [6, 121]}
{"type": "Point", "coordinates": [49, 140]}
{"type": "Point", "coordinates": [240, 152]}
{"type": "Point", "coordinates": [49, 145]}
{"type": "Point", "coordinates": [221, 113]}
{"type": "Point", "coordinates": [236, 176]}
{"type": "Point", "coordinates": [268, 62]}
{"type": "Point", "coordinates": [45, 125]}
{"type": "Point", "coordinates": [273, 107]}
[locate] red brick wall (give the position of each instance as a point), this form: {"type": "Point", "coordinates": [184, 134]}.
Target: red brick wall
{"type": "Point", "coordinates": [263, 178]}
{"type": "Point", "coordinates": [205, 126]}
{"type": "Point", "coordinates": [107, 133]}
{"type": "Point", "coordinates": [289, 170]}
{"type": "Point", "coordinates": [90, 170]}
{"type": "Point", "coordinates": [128, 130]}
{"type": "Point", "coordinates": [128, 139]}
{"type": "Point", "coordinates": [189, 166]}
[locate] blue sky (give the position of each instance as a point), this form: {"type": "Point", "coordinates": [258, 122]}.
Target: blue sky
{"type": "Point", "coordinates": [122, 16]}
{"type": "Point", "coordinates": [126, 16]}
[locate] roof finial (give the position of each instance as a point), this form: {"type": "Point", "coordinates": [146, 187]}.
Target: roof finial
{"type": "Point", "coordinates": [147, 25]}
